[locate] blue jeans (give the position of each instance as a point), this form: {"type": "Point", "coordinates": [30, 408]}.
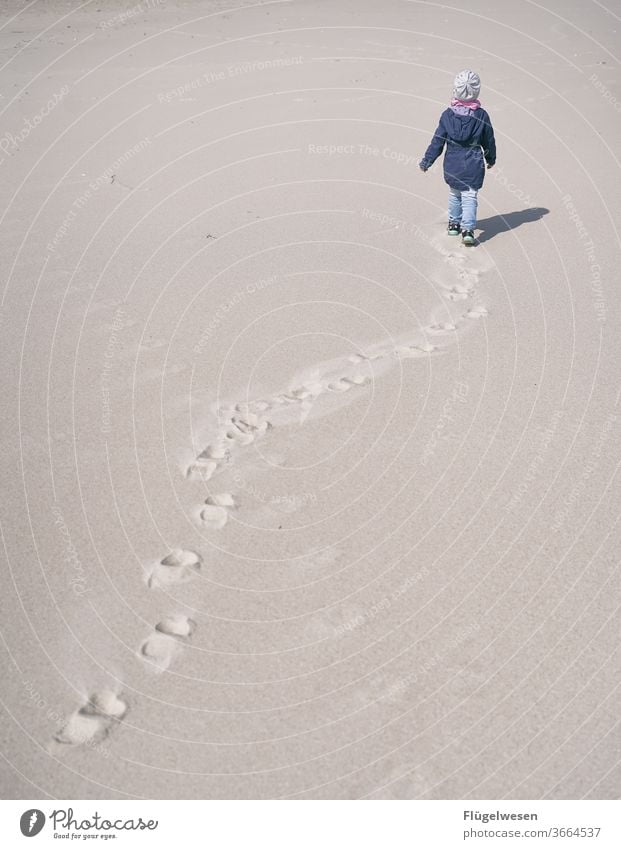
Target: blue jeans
{"type": "Point", "coordinates": [462, 207]}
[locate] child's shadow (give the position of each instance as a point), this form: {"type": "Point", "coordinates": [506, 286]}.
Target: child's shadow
{"type": "Point", "coordinates": [501, 223]}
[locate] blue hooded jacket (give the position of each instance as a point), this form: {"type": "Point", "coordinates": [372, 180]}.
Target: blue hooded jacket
{"type": "Point", "coordinates": [469, 139]}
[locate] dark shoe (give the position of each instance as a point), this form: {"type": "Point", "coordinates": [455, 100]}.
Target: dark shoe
{"type": "Point", "coordinates": [467, 237]}
{"type": "Point", "coordinates": [454, 228]}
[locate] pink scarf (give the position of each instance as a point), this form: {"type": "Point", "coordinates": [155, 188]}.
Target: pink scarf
{"type": "Point", "coordinates": [468, 104]}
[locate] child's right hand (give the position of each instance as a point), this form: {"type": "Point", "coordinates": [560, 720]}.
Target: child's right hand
{"type": "Point", "coordinates": [489, 166]}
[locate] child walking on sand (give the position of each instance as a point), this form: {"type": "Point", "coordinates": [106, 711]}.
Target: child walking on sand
{"type": "Point", "coordinates": [466, 129]}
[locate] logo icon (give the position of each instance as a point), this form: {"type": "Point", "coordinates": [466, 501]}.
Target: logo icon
{"type": "Point", "coordinates": [31, 822]}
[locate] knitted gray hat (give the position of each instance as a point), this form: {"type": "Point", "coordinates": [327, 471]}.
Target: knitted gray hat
{"type": "Point", "coordinates": [467, 85]}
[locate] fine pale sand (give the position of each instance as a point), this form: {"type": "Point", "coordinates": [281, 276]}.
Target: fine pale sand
{"type": "Point", "coordinates": [303, 499]}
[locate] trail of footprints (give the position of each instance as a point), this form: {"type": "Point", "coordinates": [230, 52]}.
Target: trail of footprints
{"type": "Point", "coordinates": [247, 422]}
{"type": "Point", "coordinates": [92, 722]}
{"type": "Point", "coordinates": [242, 425]}
{"type": "Point", "coordinates": [169, 635]}
{"type": "Point", "coordinates": [468, 277]}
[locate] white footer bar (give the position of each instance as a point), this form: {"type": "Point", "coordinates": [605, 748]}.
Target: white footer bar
{"type": "Point", "coordinates": [312, 824]}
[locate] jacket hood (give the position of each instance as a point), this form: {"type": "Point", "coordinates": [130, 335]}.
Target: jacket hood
{"type": "Point", "coordinates": [463, 128]}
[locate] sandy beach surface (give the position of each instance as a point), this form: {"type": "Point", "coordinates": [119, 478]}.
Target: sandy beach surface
{"type": "Point", "coordinates": [302, 498]}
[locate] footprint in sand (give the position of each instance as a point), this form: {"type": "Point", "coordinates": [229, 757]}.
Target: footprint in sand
{"type": "Point", "coordinates": [304, 396]}
{"type": "Point", "coordinates": [161, 646]}
{"type": "Point", "coordinates": [215, 513]}
{"type": "Point", "coordinates": [177, 567]}
{"type": "Point", "coordinates": [93, 721]}
{"type": "Point", "coordinates": [340, 385]}
{"type": "Point", "coordinates": [476, 312]}
{"type": "Point", "coordinates": [413, 351]}
{"type": "Point", "coordinates": [442, 327]}
{"type": "Point", "coordinates": [460, 292]}
{"type": "Point", "coordinates": [362, 358]}
{"type": "Point", "coordinates": [203, 467]}
{"type": "Point", "coordinates": [467, 276]}
{"type": "Point", "coordinates": [240, 427]}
